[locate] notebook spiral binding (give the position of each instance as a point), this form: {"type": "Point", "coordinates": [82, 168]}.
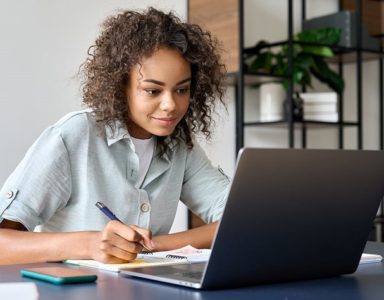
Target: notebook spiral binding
{"type": "Point", "coordinates": [172, 256]}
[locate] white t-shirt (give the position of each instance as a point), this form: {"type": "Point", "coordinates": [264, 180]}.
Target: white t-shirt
{"type": "Point", "coordinates": [144, 150]}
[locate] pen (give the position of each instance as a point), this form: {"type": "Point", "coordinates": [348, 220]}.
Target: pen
{"type": "Point", "coordinates": [106, 211]}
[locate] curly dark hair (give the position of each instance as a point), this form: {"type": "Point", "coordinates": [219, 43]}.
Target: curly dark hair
{"type": "Point", "coordinates": [128, 37]}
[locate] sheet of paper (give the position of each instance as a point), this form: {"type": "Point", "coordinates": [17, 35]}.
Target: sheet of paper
{"type": "Point", "coordinates": [19, 290]}
{"type": "Point", "coordinates": [370, 258]}
{"type": "Point", "coordinates": [139, 262]}
{"type": "Point", "coordinates": [192, 254]}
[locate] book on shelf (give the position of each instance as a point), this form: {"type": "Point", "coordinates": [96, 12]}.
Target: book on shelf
{"type": "Point", "coordinates": [320, 108]}
{"type": "Point", "coordinates": [323, 117]}
{"type": "Point", "coordinates": [346, 21]}
{"type": "Point", "coordinates": [184, 255]}
{"type": "Point", "coordinates": [319, 98]}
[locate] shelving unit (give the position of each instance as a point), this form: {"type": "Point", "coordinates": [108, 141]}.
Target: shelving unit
{"type": "Point", "coordinates": [239, 78]}
{"type": "Point", "coordinates": [344, 55]}
{"type": "Point", "coordinates": [225, 19]}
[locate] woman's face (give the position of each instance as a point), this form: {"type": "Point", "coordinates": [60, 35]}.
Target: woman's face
{"type": "Point", "coordinates": [158, 94]}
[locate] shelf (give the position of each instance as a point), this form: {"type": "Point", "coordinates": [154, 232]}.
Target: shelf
{"type": "Point", "coordinates": [305, 122]}
{"type": "Point", "coordinates": [351, 56]}
{"type": "Point", "coordinates": [253, 78]}
{"type": "Point", "coordinates": [335, 48]}
{"type": "Point", "coordinates": [342, 54]}
{"type": "Point", "coordinates": [250, 50]}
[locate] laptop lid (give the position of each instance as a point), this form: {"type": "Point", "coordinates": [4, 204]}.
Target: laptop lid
{"type": "Point", "coordinates": [292, 214]}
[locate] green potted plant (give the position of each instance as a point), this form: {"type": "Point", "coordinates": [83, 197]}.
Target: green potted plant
{"type": "Point", "coordinates": [308, 59]}
{"type": "Point", "coordinates": [310, 50]}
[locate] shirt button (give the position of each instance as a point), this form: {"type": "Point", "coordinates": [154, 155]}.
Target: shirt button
{"type": "Point", "coordinates": [9, 195]}
{"type": "Point", "coordinates": [145, 207]}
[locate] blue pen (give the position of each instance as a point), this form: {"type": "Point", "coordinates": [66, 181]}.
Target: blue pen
{"type": "Point", "coordinates": [106, 211]}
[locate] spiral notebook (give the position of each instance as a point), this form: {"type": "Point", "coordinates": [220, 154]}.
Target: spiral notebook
{"type": "Point", "coordinates": [185, 255]}
{"type": "Point", "coordinates": [189, 253]}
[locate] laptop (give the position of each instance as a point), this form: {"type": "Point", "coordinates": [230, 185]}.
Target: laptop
{"type": "Point", "coordinates": [291, 214]}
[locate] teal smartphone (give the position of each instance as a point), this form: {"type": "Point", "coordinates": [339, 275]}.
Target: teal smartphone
{"type": "Point", "coordinates": [59, 275]}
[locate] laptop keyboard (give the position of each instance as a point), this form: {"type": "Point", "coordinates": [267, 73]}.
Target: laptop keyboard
{"type": "Point", "coordinates": [192, 275]}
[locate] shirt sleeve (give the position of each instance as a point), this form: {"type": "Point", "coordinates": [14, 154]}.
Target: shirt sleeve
{"type": "Point", "coordinates": [40, 184]}
{"type": "Point", "coordinates": [205, 187]}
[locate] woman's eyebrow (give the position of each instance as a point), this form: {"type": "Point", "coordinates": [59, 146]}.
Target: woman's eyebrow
{"type": "Point", "coordinates": [184, 81]}
{"type": "Point", "coordinates": [163, 84]}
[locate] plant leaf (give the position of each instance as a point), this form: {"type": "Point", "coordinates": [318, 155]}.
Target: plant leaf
{"type": "Point", "coordinates": [326, 75]}
{"type": "Point", "coordinates": [318, 50]}
{"type": "Point", "coordinates": [330, 36]}
{"type": "Point", "coordinates": [256, 50]}
{"type": "Point", "coordinates": [304, 60]}
{"type": "Point", "coordinates": [262, 62]}
{"type": "Point", "coordinates": [301, 76]}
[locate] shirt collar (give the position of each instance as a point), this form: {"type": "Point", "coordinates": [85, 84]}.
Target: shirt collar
{"type": "Point", "coordinates": [116, 132]}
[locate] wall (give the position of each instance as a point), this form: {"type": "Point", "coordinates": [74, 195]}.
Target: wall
{"type": "Point", "coordinates": [43, 43]}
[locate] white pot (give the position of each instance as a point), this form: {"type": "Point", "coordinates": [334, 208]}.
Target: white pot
{"type": "Point", "coordinates": [271, 101]}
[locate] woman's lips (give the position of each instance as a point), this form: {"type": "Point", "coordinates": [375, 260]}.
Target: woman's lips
{"type": "Point", "coordinates": [166, 122]}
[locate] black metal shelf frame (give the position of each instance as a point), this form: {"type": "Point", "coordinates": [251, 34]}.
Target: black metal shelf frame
{"type": "Point", "coordinates": [243, 78]}
{"type": "Point", "coordinates": [337, 49]}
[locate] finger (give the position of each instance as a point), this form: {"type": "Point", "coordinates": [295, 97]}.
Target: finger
{"type": "Point", "coordinates": [115, 240]}
{"type": "Point", "coordinates": [121, 236]}
{"type": "Point", "coordinates": [110, 259]}
{"type": "Point", "coordinates": [145, 233]}
{"type": "Point", "coordinates": [131, 233]}
{"type": "Point", "coordinates": [114, 246]}
{"type": "Point", "coordinates": [146, 237]}
{"type": "Point", "coordinates": [124, 231]}
{"type": "Point", "coordinates": [116, 254]}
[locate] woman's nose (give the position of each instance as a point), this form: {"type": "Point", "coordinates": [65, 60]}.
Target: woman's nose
{"type": "Point", "coordinates": [167, 103]}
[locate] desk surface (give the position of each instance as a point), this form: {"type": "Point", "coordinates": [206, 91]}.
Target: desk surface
{"type": "Point", "coordinates": [366, 283]}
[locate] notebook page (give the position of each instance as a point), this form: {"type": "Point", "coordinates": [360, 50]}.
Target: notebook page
{"type": "Point", "coordinates": [370, 258]}
{"type": "Point", "coordinates": [189, 252]}
{"type": "Point", "coordinates": [137, 263]}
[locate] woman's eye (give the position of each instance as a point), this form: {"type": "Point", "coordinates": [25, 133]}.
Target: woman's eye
{"type": "Point", "coordinates": [152, 92]}
{"type": "Point", "coordinates": [183, 90]}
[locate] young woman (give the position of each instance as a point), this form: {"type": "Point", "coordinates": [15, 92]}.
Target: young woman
{"type": "Point", "coordinates": [151, 83]}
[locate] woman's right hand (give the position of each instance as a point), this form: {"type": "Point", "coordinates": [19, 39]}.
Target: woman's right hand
{"type": "Point", "coordinates": [118, 242]}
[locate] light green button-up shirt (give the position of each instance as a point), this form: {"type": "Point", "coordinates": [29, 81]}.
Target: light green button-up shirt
{"type": "Point", "coordinates": [72, 165]}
